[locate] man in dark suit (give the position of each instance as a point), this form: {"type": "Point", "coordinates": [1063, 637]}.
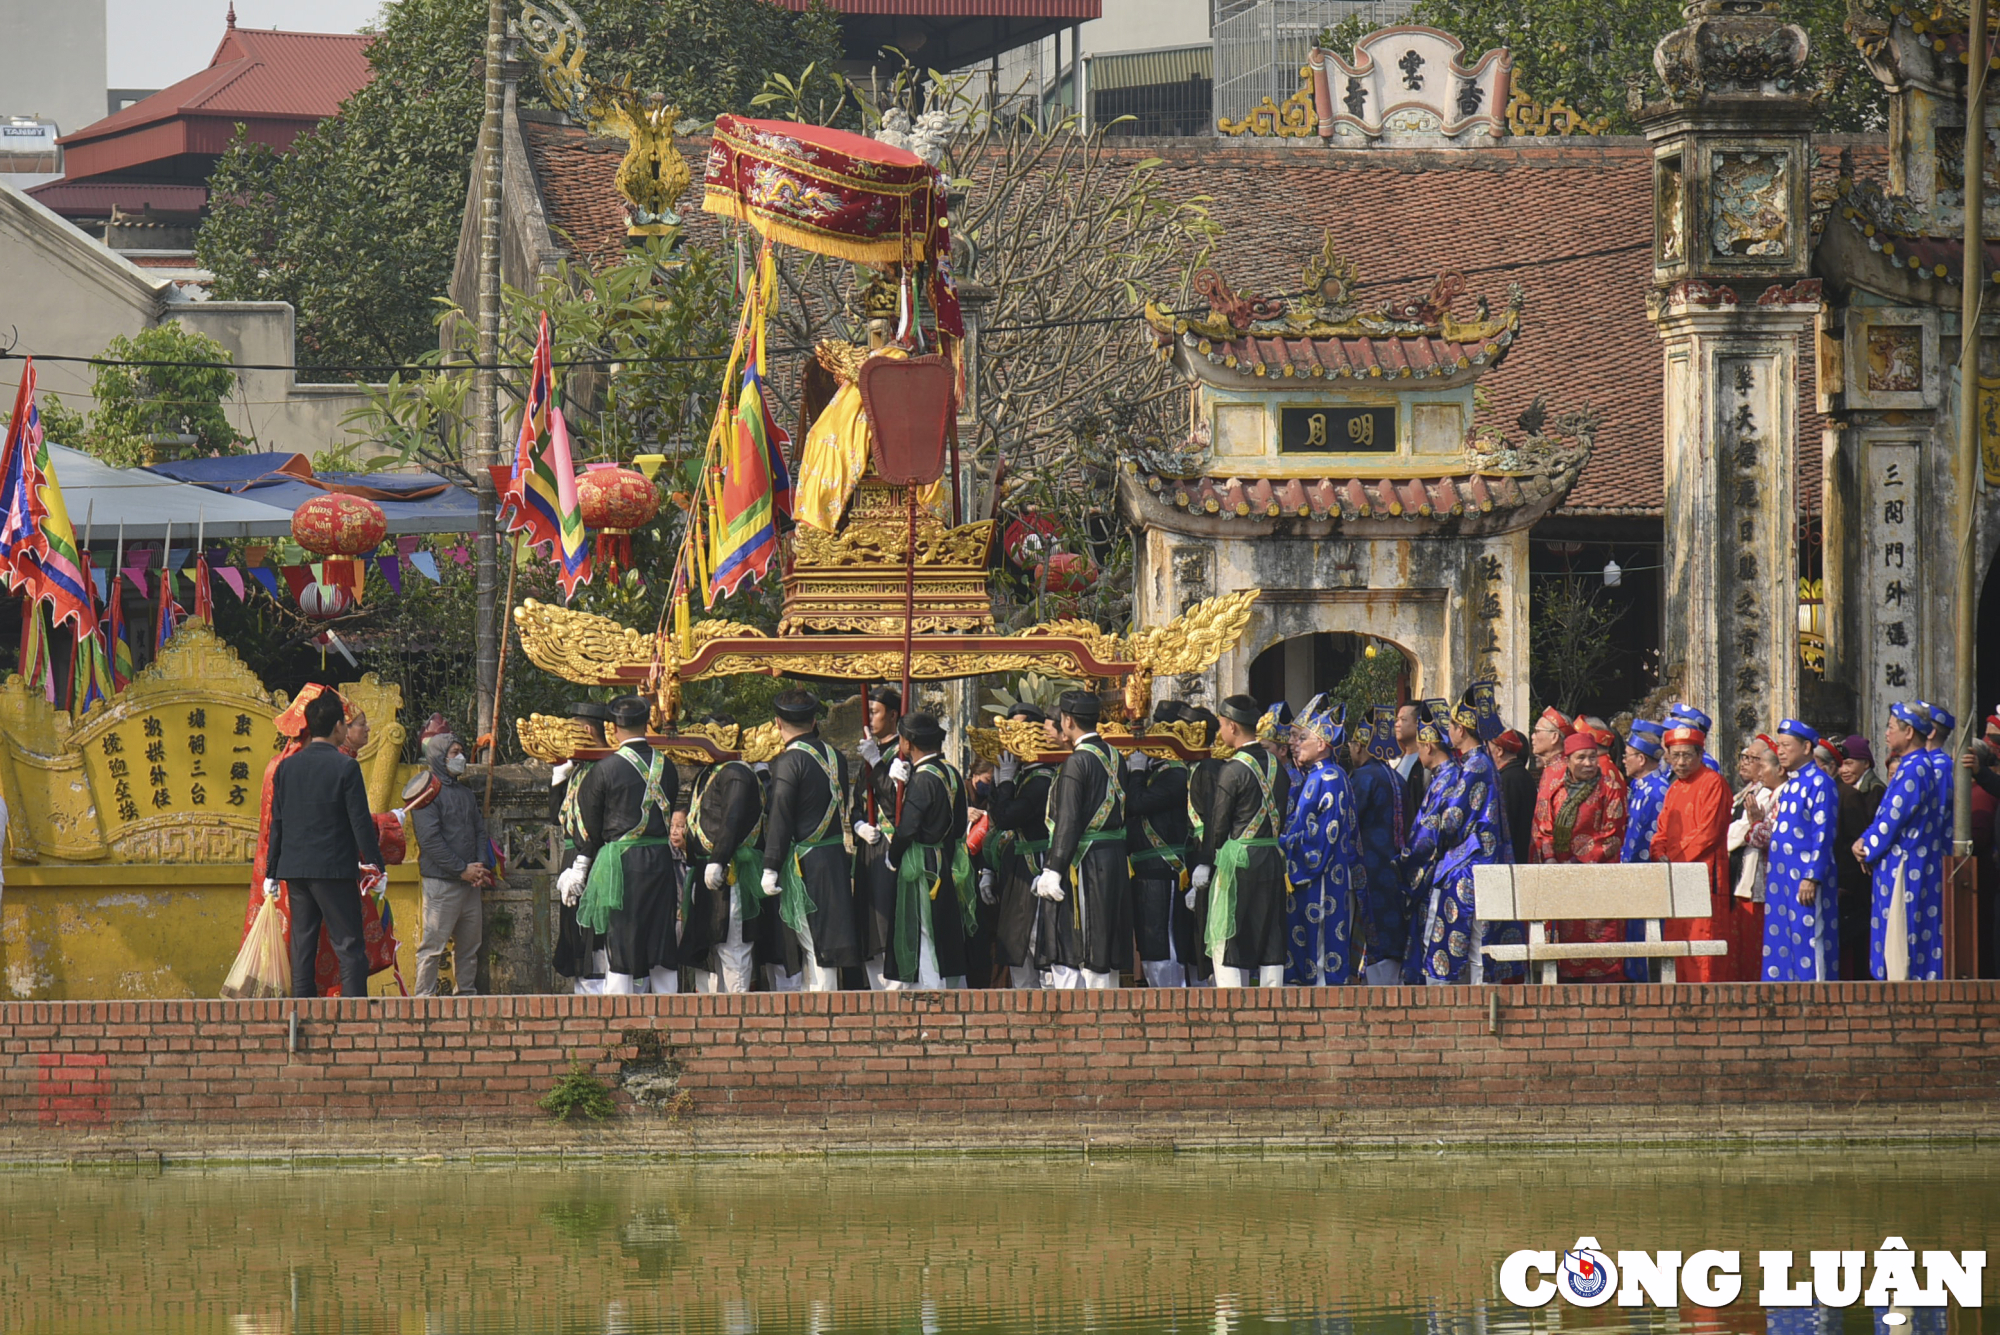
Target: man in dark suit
{"type": "Point", "coordinates": [321, 837]}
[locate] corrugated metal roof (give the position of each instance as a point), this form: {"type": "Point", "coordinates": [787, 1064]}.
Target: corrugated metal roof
{"type": "Point", "coordinates": [1144, 69]}
{"type": "Point", "coordinates": [91, 199]}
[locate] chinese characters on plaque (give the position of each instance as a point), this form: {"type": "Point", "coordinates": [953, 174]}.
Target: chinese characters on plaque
{"type": "Point", "coordinates": [1892, 579]}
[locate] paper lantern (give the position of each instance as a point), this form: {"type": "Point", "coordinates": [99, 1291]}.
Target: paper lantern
{"type": "Point", "coordinates": [337, 524]}
{"type": "Point", "coordinates": [615, 501]}
{"type": "Point", "coordinates": [324, 602]}
{"type": "Point", "coordinates": [1070, 573]}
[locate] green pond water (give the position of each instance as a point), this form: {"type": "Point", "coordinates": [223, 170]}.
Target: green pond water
{"type": "Point", "coordinates": [1193, 1244]}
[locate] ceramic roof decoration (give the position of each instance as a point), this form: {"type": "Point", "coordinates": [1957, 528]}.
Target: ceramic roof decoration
{"type": "Point", "coordinates": [1330, 332]}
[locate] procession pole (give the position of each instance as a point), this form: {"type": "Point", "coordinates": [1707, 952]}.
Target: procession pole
{"type": "Point", "coordinates": [487, 627]}
{"type": "Point", "coordinates": [500, 682]}
{"type": "Point", "coordinates": [1965, 465]}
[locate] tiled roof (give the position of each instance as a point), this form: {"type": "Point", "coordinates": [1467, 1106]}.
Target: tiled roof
{"type": "Point", "coordinates": [303, 75]}
{"type": "Point", "coordinates": [93, 199]}
{"type": "Point", "coordinates": [1571, 222]}
{"type": "Point", "coordinates": [1418, 356]}
{"type": "Point", "coordinates": [1348, 498]}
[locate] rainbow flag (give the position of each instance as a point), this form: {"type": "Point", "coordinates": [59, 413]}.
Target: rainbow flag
{"type": "Point", "coordinates": [540, 495]}
{"type": "Point", "coordinates": [756, 486]}
{"type": "Point", "coordinates": [38, 548]}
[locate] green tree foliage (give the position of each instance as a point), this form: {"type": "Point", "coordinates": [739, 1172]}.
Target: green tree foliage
{"type": "Point", "coordinates": [141, 412]}
{"type": "Point", "coordinates": [1585, 51]}
{"type": "Point", "coordinates": [1570, 638]}
{"type": "Point", "coordinates": [357, 226]}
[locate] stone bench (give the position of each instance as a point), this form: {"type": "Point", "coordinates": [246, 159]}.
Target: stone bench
{"type": "Point", "coordinates": [1565, 892]}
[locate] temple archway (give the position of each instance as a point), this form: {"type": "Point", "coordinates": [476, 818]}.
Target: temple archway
{"type": "Point", "coordinates": [1296, 669]}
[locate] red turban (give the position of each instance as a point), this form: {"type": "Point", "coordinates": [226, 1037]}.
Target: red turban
{"type": "Point", "coordinates": [1685, 736]}
{"type": "Point", "coordinates": [1511, 741]}
{"type": "Point", "coordinates": [1555, 716]}
{"type": "Point", "coordinates": [1580, 741]}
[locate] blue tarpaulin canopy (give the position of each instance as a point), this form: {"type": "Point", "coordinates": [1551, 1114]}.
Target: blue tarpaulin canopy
{"type": "Point", "coordinates": [413, 502]}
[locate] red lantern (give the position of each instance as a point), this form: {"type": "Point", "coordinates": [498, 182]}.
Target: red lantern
{"type": "Point", "coordinates": [324, 602]}
{"type": "Point", "coordinates": [337, 524]}
{"type": "Point", "coordinates": [1070, 573]}
{"type": "Point", "coordinates": [615, 501]}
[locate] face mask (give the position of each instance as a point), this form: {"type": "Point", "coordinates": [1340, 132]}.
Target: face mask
{"type": "Point", "coordinates": [455, 765]}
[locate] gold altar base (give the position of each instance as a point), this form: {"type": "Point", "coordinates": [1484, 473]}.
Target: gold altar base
{"type": "Point", "coordinates": [855, 580]}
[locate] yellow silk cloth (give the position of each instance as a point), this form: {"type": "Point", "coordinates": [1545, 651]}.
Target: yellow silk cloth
{"type": "Point", "coordinates": [836, 455]}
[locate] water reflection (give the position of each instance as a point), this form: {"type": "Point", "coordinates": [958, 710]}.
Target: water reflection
{"type": "Point", "coordinates": [1189, 1245]}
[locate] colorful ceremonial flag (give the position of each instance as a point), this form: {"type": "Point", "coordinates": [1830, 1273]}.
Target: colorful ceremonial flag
{"type": "Point", "coordinates": [171, 612]}
{"type": "Point", "coordinates": [36, 669]}
{"type": "Point", "coordinates": [540, 495]}
{"type": "Point", "coordinates": [90, 668]}
{"type": "Point", "coordinates": [38, 547]}
{"type": "Point", "coordinates": [204, 595]}
{"type": "Point", "coordinates": [121, 649]}
{"type": "Point", "coordinates": [755, 487]}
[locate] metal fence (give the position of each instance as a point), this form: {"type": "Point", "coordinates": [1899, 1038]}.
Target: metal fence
{"type": "Point", "coordinates": [1259, 48]}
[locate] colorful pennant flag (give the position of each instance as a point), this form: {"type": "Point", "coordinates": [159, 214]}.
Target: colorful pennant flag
{"type": "Point", "coordinates": [540, 495]}
{"type": "Point", "coordinates": [267, 577]}
{"type": "Point", "coordinates": [233, 578]}
{"type": "Point", "coordinates": [204, 593]}
{"type": "Point", "coordinates": [171, 612]}
{"type": "Point", "coordinates": [392, 571]}
{"type": "Point", "coordinates": [38, 547]}
{"type": "Point", "coordinates": [427, 566]}
{"type": "Point", "coordinates": [122, 667]}
{"type": "Point", "coordinates": [755, 486]}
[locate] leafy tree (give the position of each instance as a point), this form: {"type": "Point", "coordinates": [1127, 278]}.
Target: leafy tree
{"type": "Point", "coordinates": [357, 225]}
{"type": "Point", "coordinates": [1585, 51]}
{"type": "Point", "coordinates": [1570, 638]}
{"type": "Point", "coordinates": [137, 405]}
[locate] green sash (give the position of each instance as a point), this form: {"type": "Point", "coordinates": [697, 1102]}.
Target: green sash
{"type": "Point", "coordinates": [794, 903]}
{"type": "Point", "coordinates": [913, 897]}
{"type": "Point", "coordinates": [571, 817]}
{"type": "Point", "coordinates": [604, 892]}
{"type": "Point", "coordinates": [1156, 844]}
{"type": "Point", "coordinates": [746, 865]}
{"type": "Point", "coordinates": [1234, 855]}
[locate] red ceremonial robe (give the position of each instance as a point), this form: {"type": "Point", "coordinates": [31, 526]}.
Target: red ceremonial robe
{"type": "Point", "coordinates": [1597, 835]}
{"type": "Point", "coordinates": [1694, 827]}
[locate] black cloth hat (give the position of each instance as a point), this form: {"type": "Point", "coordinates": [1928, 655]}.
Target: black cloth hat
{"type": "Point", "coordinates": [632, 713]}
{"type": "Point", "coordinates": [888, 697]}
{"type": "Point", "coordinates": [796, 706]}
{"type": "Point", "coordinates": [922, 730]}
{"type": "Point", "coordinates": [1034, 713]}
{"type": "Point", "coordinates": [1207, 720]}
{"type": "Point", "coordinates": [1083, 706]}
{"type": "Point", "coordinates": [1242, 710]}
{"type": "Point", "coordinates": [592, 710]}
{"type": "Point", "coordinates": [1169, 711]}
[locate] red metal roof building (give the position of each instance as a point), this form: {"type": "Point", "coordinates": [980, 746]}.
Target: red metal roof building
{"type": "Point", "coordinates": [275, 84]}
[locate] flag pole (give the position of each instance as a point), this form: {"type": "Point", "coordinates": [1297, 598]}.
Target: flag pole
{"type": "Point", "coordinates": [500, 674]}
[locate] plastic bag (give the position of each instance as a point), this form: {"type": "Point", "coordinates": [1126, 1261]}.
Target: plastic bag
{"type": "Point", "coordinates": [263, 966]}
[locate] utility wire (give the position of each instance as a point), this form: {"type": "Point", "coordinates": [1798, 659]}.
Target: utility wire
{"type": "Point", "coordinates": [688, 358]}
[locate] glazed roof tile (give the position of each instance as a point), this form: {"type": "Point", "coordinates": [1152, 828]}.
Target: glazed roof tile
{"type": "Point", "coordinates": [1571, 222]}
{"type": "Point", "coordinates": [1347, 498]}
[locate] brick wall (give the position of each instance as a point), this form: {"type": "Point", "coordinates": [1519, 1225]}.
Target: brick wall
{"type": "Point", "coordinates": [990, 1069]}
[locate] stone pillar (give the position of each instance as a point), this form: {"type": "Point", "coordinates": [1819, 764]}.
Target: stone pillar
{"type": "Point", "coordinates": [1731, 507]}
{"type": "Point", "coordinates": [1733, 303]}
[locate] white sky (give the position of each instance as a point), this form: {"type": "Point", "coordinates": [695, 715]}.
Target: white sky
{"type": "Point", "coordinates": [153, 43]}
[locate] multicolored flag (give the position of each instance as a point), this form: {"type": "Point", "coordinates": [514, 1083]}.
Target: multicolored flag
{"type": "Point", "coordinates": [540, 494]}
{"type": "Point", "coordinates": [116, 644]}
{"type": "Point", "coordinates": [755, 485]}
{"type": "Point", "coordinates": [38, 547]}
{"type": "Point", "coordinates": [36, 668]}
{"type": "Point", "coordinates": [171, 612]}
{"type": "Point", "coordinates": [90, 669]}
{"type": "Point", "coordinates": [204, 595]}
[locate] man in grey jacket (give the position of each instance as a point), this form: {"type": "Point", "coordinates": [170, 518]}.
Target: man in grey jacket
{"type": "Point", "coordinates": [451, 856]}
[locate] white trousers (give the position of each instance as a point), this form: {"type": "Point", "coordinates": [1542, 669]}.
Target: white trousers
{"type": "Point", "coordinates": [1169, 972]}
{"type": "Point", "coordinates": [1268, 975]}
{"type": "Point", "coordinates": [1383, 973]}
{"type": "Point", "coordinates": [1062, 978]}
{"type": "Point", "coordinates": [733, 966]}
{"type": "Point", "coordinates": [1024, 976]}
{"type": "Point", "coordinates": [928, 978]}
{"type": "Point", "coordinates": [600, 964]}
{"type": "Point", "coordinates": [811, 977]}
{"type": "Point", "coordinates": [658, 981]}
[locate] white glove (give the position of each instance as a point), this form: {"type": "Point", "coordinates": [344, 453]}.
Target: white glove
{"type": "Point", "coordinates": [871, 750]}
{"type": "Point", "coordinates": [270, 888]}
{"type": "Point", "coordinates": [770, 884]}
{"type": "Point", "coordinates": [1009, 766]}
{"type": "Point", "coordinates": [1201, 877]}
{"type": "Point", "coordinates": [1049, 886]}
{"type": "Point", "coordinates": [1137, 761]}
{"type": "Point", "coordinates": [986, 895]}
{"type": "Point", "coordinates": [561, 772]}
{"type": "Point", "coordinates": [570, 884]}
{"type": "Point", "coordinates": [899, 770]}
{"type": "Point", "coordinates": [1188, 898]}
{"type": "Point", "coordinates": [715, 877]}
{"type": "Point", "coordinates": [867, 833]}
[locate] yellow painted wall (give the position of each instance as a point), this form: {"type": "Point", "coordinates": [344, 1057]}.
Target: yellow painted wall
{"type": "Point", "coordinates": [141, 931]}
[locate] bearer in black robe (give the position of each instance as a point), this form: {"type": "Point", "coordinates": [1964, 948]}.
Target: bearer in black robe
{"type": "Point", "coordinates": [1201, 793]}
{"type": "Point", "coordinates": [579, 953]}
{"type": "Point", "coordinates": [1016, 839]}
{"type": "Point", "coordinates": [806, 850]}
{"type": "Point", "coordinates": [936, 900]}
{"type": "Point", "coordinates": [623, 879]}
{"type": "Point", "coordinates": [1086, 863]}
{"type": "Point", "coordinates": [872, 805]}
{"type": "Point", "coordinates": [1156, 836]}
{"type": "Point", "coordinates": [1239, 862]}
{"type": "Point", "coordinates": [723, 811]}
